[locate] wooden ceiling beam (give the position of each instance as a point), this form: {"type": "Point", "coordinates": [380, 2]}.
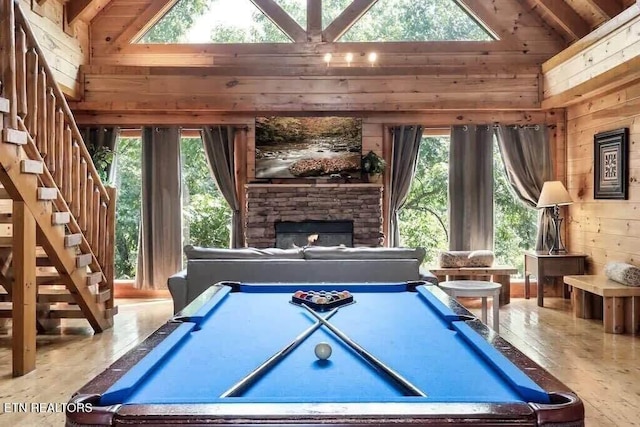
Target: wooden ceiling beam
{"type": "Point", "coordinates": [489, 17]}
{"type": "Point", "coordinates": [607, 8]}
{"type": "Point", "coordinates": [142, 23]}
{"type": "Point", "coordinates": [357, 48]}
{"type": "Point", "coordinates": [566, 17]}
{"type": "Point", "coordinates": [74, 8]}
{"type": "Point", "coordinates": [314, 20]}
{"type": "Point", "coordinates": [346, 19]}
{"type": "Point", "coordinates": [282, 19]}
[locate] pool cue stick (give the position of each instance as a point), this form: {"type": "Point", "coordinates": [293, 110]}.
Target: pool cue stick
{"type": "Point", "coordinates": [256, 373]}
{"type": "Point", "coordinates": [368, 356]}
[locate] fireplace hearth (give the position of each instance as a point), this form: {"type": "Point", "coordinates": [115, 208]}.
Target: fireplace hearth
{"type": "Point", "coordinates": [313, 233]}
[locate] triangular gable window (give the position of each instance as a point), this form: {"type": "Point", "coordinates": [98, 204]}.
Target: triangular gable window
{"type": "Point", "coordinates": [214, 21]}
{"type": "Point", "coordinates": [297, 9]}
{"type": "Point", "coordinates": [415, 20]}
{"type": "Point", "coordinates": [240, 21]}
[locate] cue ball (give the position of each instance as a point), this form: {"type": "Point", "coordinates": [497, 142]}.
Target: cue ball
{"type": "Point", "coordinates": [323, 351]}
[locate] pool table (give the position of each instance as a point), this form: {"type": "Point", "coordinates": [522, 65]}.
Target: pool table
{"type": "Point", "coordinates": [468, 375]}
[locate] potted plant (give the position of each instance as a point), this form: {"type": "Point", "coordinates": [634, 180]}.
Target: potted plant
{"type": "Point", "coordinates": [373, 166]}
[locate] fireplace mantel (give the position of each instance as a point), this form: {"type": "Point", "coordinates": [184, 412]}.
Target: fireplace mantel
{"type": "Point", "coordinates": [315, 185]}
{"type": "Point", "coordinates": [268, 203]}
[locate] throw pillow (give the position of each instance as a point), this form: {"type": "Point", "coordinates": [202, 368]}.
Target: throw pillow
{"type": "Point", "coordinates": [483, 258]}
{"type": "Point", "coordinates": [624, 273]}
{"type": "Point", "coordinates": [453, 259]}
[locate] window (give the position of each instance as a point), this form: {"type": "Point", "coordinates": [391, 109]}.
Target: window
{"type": "Point", "coordinates": [411, 20]}
{"type": "Point", "coordinates": [515, 225]}
{"type": "Point", "coordinates": [424, 217]}
{"type": "Point", "coordinates": [216, 21]}
{"type": "Point", "coordinates": [206, 217]}
{"type": "Point", "coordinates": [128, 181]}
{"type": "Point", "coordinates": [240, 21]}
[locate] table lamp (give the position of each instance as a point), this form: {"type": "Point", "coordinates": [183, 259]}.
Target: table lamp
{"type": "Point", "coordinates": [554, 194]}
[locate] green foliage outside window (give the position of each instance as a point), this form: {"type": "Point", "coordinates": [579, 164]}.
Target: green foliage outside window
{"type": "Point", "coordinates": [128, 183]}
{"type": "Point", "coordinates": [424, 218]}
{"type": "Point", "coordinates": [515, 224]}
{"type": "Point", "coordinates": [206, 215]}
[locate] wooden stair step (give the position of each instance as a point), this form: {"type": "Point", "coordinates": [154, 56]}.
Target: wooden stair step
{"type": "Point", "coordinates": [6, 206]}
{"type": "Point", "coordinates": [47, 296]}
{"type": "Point", "coordinates": [46, 193]}
{"type": "Point", "coordinates": [62, 311]}
{"type": "Point", "coordinates": [83, 260]}
{"type": "Point", "coordinates": [31, 166]}
{"type": "Point", "coordinates": [66, 312]}
{"type": "Point", "coordinates": [103, 296]}
{"type": "Point", "coordinates": [94, 278]}
{"type": "Point", "coordinates": [110, 312]}
{"type": "Point", "coordinates": [60, 218]}
{"type": "Point", "coordinates": [14, 136]}
{"type": "Point", "coordinates": [71, 240]}
{"type": "Point", "coordinates": [6, 242]}
{"type": "Point", "coordinates": [5, 105]}
{"type": "Point", "coordinates": [4, 194]}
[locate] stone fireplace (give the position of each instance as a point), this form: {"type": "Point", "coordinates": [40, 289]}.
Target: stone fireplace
{"type": "Point", "coordinates": [349, 212]}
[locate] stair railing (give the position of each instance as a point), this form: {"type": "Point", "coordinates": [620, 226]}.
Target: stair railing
{"type": "Point", "coordinates": [39, 107]}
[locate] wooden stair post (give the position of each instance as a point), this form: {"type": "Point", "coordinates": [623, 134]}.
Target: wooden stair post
{"type": "Point", "coordinates": [24, 290]}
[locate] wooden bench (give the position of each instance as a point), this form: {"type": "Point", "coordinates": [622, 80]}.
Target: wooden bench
{"type": "Point", "coordinates": [499, 274]}
{"type": "Point", "coordinates": [620, 311]}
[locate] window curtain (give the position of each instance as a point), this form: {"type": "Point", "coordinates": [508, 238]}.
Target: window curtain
{"type": "Point", "coordinates": [101, 138]}
{"type": "Point", "coordinates": [219, 148]}
{"type": "Point", "coordinates": [471, 188]}
{"type": "Point", "coordinates": [405, 147]}
{"type": "Point", "coordinates": [160, 242]}
{"type": "Point", "coordinates": [526, 155]}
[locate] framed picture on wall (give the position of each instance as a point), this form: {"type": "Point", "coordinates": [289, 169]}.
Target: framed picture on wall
{"type": "Point", "coordinates": [611, 174]}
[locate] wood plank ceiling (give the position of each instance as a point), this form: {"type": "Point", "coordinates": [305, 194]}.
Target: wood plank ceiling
{"type": "Point", "coordinates": [496, 75]}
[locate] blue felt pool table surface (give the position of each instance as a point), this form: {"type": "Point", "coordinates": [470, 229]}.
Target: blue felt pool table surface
{"type": "Point", "coordinates": [411, 331]}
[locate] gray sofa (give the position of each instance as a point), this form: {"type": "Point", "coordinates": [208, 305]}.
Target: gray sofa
{"type": "Point", "coordinates": [207, 266]}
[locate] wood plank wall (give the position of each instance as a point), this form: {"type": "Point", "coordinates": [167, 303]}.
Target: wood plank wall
{"type": "Point", "coordinates": [64, 51]}
{"type": "Point", "coordinates": [606, 230]}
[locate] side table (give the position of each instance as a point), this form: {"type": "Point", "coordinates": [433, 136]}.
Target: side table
{"type": "Point", "coordinates": [477, 288]}
{"type": "Point", "coordinates": [498, 274]}
{"type": "Point", "coordinates": [543, 265]}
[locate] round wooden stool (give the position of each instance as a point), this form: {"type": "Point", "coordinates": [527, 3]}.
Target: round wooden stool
{"type": "Point", "coordinates": [477, 288]}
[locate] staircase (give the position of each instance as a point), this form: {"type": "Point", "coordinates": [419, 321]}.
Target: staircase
{"type": "Point", "coordinates": [57, 220]}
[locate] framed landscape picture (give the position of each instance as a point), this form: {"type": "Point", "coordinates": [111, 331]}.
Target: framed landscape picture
{"type": "Point", "coordinates": [318, 147]}
{"type": "Point", "coordinates": [611, 173]}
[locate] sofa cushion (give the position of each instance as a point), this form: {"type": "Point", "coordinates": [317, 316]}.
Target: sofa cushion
{"type": "Point", "coordinates": [624, 273]}
{"type": "Point", "coordinates": [196, 252]}
{"type": "Point", "coordinates": [340, 252]}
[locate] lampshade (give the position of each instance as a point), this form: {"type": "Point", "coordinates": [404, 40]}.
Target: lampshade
{"type": "Point", "coordinates": [554, 193]}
